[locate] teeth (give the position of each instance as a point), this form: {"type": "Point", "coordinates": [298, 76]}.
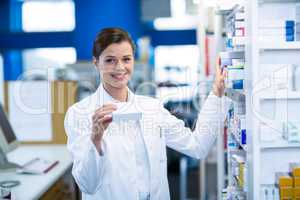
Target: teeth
{"type": "Point", "coordinates": [118, 75]}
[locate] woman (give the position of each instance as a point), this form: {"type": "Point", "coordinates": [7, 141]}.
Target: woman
{"type": "Point", "coordinates": [127, 160]}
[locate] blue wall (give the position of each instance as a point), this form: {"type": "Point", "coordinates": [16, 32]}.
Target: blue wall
{"type": "Point", "coordinates": [94, 15]}
{"type": "Point", "coordinates": [178, 37]}
{"type": "Point", "coordinates": [91, 16]}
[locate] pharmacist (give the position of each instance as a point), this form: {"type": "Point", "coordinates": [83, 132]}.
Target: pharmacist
{"type": "Point", "coordinates": [127, 159]}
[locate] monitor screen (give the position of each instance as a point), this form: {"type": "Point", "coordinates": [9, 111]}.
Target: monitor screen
{"type": "Point", "coordinates": [6, 128]}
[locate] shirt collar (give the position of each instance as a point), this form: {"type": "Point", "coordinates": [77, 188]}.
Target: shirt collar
{"type": "Point", "coordinates": [105, 97]}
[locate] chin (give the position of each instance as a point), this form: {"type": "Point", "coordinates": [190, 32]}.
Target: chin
{"type": "Point", "coordinates": [119, 84]}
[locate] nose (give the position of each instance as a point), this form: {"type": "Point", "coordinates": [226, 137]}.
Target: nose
{"type": "Point", "coordinates": [119, 66]}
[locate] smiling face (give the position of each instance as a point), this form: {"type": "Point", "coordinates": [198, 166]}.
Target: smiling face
{"type": "Point", "coordinates": [116, 64]}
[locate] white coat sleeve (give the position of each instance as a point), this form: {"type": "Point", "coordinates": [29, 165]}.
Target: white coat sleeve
{"type": "Point", "coordinates": [88, 165]}
{"type": "Point", "coordinates": [198, 143]}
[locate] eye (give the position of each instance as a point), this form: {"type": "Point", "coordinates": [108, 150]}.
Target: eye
{"type": "Point", "coordinates": [110, 61]}
{"type": "Point", "coordinates": [127, 60]}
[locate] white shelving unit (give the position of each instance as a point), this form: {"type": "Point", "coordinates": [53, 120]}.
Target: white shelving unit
{"type": "Point", "coordinates": [267, 158]}
{"type": "Point", "coordinates": [279, 45]}
{"type": "Point", "coordinates": [263, 159]}
{"type": "Point", "coordinates": [279, 145]}
{"type": "Point", "coordinates": [281, 96]}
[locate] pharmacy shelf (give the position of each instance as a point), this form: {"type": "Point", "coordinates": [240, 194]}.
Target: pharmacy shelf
{"type": "Point", "coordinates": [281, 96]}
{"type": "Point", "coordinates": [235, 151]}
{"type": "Point", "coordinates": [234, 10]}
{"type": "Point", "coordinates": [279, 145]}
{"type": "Point", "coordinates": [259, 51]}
{"type": "Point", "coordinates": [233, 54]}
{"type": "Point", "coordinates": [244, 147]}
{"type": "Point", "coordinates": [235, 95]}
{"type": "Point", "coordinates": [273, 46]}
{"type": "Point", "coordinates": [238, 158]}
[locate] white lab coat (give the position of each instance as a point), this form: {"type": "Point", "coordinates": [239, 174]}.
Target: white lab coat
{"type": "Point", "coordinates": [113, 176]}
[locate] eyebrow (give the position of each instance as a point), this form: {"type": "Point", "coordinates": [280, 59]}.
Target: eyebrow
{"type": "Point", "coordinates": [109, 56]}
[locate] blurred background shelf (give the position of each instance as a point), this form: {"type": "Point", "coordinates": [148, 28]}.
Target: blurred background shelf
{"type": "Point", "coordinates": [281, 96]}
{"type": "Point", "coordinates": [278, 145]}
{"type": "Point", "coordinates": [275, 45]}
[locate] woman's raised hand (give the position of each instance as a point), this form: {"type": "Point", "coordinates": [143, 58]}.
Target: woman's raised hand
{"type": "Point", "coordinates": [101, 119]}
{"type": "Point", "coordinates": [219, 84]}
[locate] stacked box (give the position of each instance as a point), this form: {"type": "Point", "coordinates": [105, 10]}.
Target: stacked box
{"type": "Point", "coordinates": [277, 30]}
{"type": "Point", "coordinates": [235, 26]}
{"type": "Point", "coordinates": [285, 184]}
{"type": "Point", "coordinates": [233, 62]}
{"type": "Point", "coordinates": [295, 170]}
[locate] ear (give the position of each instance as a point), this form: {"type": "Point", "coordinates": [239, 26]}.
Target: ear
{"type": "Point", "coordinates": [95, 61]}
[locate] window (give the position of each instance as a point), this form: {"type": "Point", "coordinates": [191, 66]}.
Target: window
{"type": "Point", "coordinates": [183, 16]}
{"type": "Point", "coordinates": [184, 13]}
{"type": "Point", "coordinates": [46, 16]}
{"type": "Point", "coordinates": [176, 65]}
{"type": "Point", "coordinates": [44, 61]}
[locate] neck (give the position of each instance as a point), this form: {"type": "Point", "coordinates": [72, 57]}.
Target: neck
{"type": "Point", "coordinates": [119, 94]}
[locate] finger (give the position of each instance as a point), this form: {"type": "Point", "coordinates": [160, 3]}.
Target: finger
{"type": "Point", "coordinates": [107, 106]}
{"type": "Point", "coordinates": [97, 129]}
{"type": "Point", "coordinates": [104, 119]}
{"type": "Point", "coordinates": [218, 70]}
{"type": "Point", "coordinates": [101, 114]}
{"type": "Point", "coordinates": [218, 65]}
{"type": "Point", "coordinates": [104, 110]}
{"type": "Point", "coordinates": [221, 78]}
{"type": "Point", "coordinates": [104, 122]}
{"type": "Point", "coordinates": [107, 122]}
{"type": "Point", "coordinates": [218, 61]}
{"type": "Point", "coordinates": [111, 104]}
{"type": "Point", "coordinates": [224, 73]}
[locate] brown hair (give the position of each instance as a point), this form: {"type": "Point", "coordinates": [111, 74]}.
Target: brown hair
{"type": "Point", "coordinates": [108, 36]}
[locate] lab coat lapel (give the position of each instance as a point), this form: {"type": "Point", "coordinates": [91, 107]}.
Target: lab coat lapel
{"type": "Point", "coordinates": [150, 132]}
{"type": "Point", "coordinates": [101, 96]}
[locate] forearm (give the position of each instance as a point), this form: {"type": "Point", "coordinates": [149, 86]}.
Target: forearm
{"type": "Point", "coordinates": [97, 140]}
{"type": "Point", "coordinates": [88, 167]}
{"type": "Point", "coordinates": [210, 122]}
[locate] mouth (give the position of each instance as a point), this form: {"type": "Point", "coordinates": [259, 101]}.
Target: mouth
{"type": "Point", "coordinates": [119, 76]}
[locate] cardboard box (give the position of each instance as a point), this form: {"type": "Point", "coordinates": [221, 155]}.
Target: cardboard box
{"type": "Point", "coordinates": [295, 169]}
{"type": "Point", "coordinates": [286, 193]}
{"type": "Point", "coordinates": [297, 193]}
{"type": "Point", "coordinates": [284, 180]}
{"type": "Point", "coordinates": [296, 181]}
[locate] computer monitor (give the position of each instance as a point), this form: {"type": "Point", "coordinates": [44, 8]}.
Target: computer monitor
{"type": "Point", "coordinates": [8, 140]}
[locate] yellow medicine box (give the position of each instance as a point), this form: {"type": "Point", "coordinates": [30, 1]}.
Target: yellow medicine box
{"type": "Point", "coordinates": [295, 169]}
{"type": "Point", "coordinates": [285, 181]}
{"type": "Point", "coordinates": [286, 193]}
{"type": "Point", "coordinates": [296, 182]}
{"type": "Point", "coordinates": [297, 193]}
